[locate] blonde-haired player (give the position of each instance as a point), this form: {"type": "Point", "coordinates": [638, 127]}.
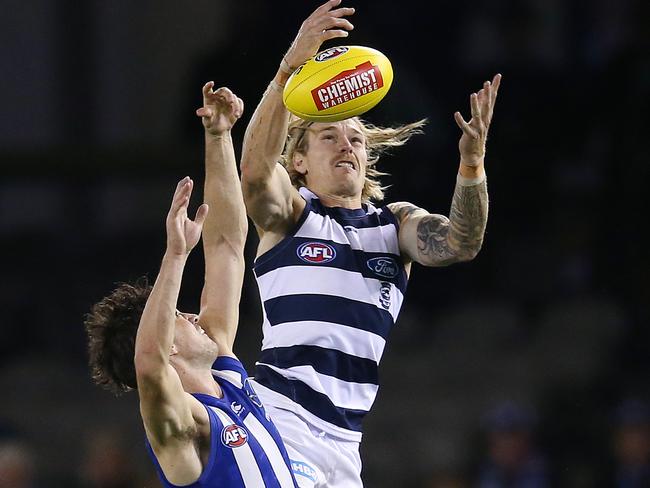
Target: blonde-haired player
{"type": "Point", "coordinates": [332, 267]}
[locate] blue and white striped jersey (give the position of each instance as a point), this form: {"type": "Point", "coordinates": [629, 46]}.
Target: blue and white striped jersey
{"type": "Point", "coordinates": [331, 293]}
{"type": "Point", "coordinates": [246, 450]}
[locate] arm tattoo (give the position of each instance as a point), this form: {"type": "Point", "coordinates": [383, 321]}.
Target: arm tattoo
{"type": "Point", "coordinates": [402, 210]}
{"type": "Point", "coordinates": [443, 241]}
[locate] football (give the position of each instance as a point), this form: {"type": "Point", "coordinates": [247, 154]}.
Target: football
{"type": "Point", "coordinates": [338, 83]}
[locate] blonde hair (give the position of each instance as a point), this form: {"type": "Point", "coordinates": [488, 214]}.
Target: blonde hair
{"type": "Point", "coordinates": [378, 141]}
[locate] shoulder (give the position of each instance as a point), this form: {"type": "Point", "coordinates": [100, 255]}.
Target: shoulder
{"type": "Point", "coordinates": [405, 210]}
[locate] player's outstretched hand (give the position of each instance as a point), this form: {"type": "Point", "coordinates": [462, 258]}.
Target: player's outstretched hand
{"type": "Point", "coordinates": [326, 22]}
{"type": "Point", "coordinates": [221, 109]}
{"type": "Point", "coordinates": [182, 232]}
{"type": "Point", "coordinates": [472, 142]}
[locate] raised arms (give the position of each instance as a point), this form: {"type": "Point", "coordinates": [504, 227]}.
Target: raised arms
{"type": "Point", "coordinates": [225, 228]}
{"type": "Point", "coordinates": [437, 240]}
{"type": "Point", "coordinates": [271, 201]}
{"type": "Point", "coordinates": [167, 411]}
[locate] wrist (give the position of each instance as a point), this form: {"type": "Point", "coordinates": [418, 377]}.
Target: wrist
{"type": "Point", "coordinates": [224, 136]}
{"type": "Point", "coordinates": [174, 258]}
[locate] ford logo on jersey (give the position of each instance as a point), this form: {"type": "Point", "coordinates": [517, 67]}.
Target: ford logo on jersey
{"type": "Point", "coordinates": [234, 436]}
{"type": "Point", "coordinates": [316, 252]}
{"type": "Point", "coordinates": [385, 267]}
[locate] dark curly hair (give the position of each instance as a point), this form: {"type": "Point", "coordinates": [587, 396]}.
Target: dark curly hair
{"type": "Point", "coordinates": [111, 326]}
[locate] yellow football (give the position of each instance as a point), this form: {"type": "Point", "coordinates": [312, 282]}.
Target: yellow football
{"type": "Point", "coordinates": [338, 83]}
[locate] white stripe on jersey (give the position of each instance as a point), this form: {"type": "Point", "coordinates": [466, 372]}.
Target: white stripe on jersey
{"type": "Point", "coordinates": [280, 469]}
{"type": "Point", "coordinates": [371, 239]}
{"type": "Point", "coordinates": [329, 335]}
{"type": "Point", "coordinates": [270, 397]}
{"type": "Point", "coordinates": [299, 280]}
{"type": "Point", "coordinates": [230, 376]}
{"type": "Point", "coordinates": [344, 394]}
{"type": "Point", "coordinates": [244, 457]}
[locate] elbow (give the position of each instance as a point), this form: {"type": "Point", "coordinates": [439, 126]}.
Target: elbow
{"type": "Point", "coordinates": [469, 254]}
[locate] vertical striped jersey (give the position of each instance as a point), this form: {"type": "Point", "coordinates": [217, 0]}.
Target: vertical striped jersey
{"type": "Point", "coordinates": [246, 450]}
{"type": "Point", "coordinates": [331, 292]}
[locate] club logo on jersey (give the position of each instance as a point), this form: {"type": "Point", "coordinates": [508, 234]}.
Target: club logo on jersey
{"type": "Point", "coordinates": [234, 436]}
{"type": "Point", "coordinates": [385, 267]}
{"type": "Point", "coordinates": [348, 85]}
{"type": "Point", "coordinates": [248, 388]}
{"type": "Point", "coordinates": [316, 252]}
{"type": "Point", "coordinates": [384, 295]}
{"type": "Point", "coordinates": [236, 407]}
{"type": "Point", "coordinates": [330, 53]}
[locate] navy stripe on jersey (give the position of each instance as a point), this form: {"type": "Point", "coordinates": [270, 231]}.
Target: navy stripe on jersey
{"type": "Point", "coordinates": [316, 403]}
{"type": "Point", "coordinates": [354, 217]}
{"type": "Point", "coordinates": [327, 308]}
{"type": "Point", "coordinates": [347, 259]}
{"type": "Point", "coordinates": [325, 361]}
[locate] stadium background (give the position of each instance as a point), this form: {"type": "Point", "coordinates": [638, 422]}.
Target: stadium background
{"type": "Point", "coordinates": [546, 332]}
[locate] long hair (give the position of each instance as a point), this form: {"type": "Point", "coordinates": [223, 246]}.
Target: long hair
{"type": "Point", "coordinates": [111, 326]}
{"type": "Point", "coordinates": [379, 140]}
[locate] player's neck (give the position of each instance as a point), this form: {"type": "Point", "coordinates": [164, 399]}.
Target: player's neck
{"type": "Point", "coordinates": [200, 381]}
{"type": "Point", "coordinates": [344, 201]}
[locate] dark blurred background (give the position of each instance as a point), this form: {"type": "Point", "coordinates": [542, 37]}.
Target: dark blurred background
{"type": "Point", "coordinates": [527, 367]}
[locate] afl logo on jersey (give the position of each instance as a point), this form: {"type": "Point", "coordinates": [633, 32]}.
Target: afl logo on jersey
{"type": "Point", "coordinates": [385, 267]}
{"type": "Point", "coordinates": [316, 252]}
{"type": "Point", "coordinates": [234, 436]}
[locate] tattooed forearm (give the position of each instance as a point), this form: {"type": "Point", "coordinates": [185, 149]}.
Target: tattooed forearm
{"type": "Point", "coordinates": [443, 240]}
{"type": "Point", "coordinates": [468, 219]}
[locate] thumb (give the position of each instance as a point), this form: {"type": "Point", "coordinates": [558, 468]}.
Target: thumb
{"type": "Point", "coordinates": [201, 214]}
{"type": "Point", "coordinates": [204, 112]}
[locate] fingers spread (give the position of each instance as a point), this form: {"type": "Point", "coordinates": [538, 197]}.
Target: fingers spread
{"type": "Point", "coordinates": [330, 22]}
{"type": "Point", "coordinates": [476, 109]}
{"type": "Point", "coordinates": [207, 88]}
{"type": "Point", "coordinates": [340, 12]}
{"type": "Point", "coordinates": [326, 6]}
{"type": "Point", "coordinates": [332, 34]}
{"type": "Point", "coordinates": [496, 82]}
{"type": "Point", "coordinates": [464, 126]}
{"type": "Point", "coordinates": [182, 194]}
{"type": "Point", "coordinates": [204, 112]}
{"type": "Point", "coordinates": [201, 214]}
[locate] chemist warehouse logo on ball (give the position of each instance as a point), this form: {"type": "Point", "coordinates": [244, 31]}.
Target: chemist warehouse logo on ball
{"type": "Point", "coordinates": [234, 436]}
{"type": "Point", "coordinates": [316, 252]}
{"type": "Point", "coordinates": [348, 85]}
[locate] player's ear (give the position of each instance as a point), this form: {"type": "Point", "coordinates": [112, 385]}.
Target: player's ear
{"type": "Point", "coordinates": [299, 163]}
{"type": "Point", "coordinates": [173, 350]}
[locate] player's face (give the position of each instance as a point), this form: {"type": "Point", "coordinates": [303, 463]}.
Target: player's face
{"type": "Point", "coordinates": [190, 338]}
{"type": "Point", "coordinates": [336, 158]}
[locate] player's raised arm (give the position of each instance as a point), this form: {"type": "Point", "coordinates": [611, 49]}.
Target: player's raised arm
{"type": "Point", "coordinates": [225, 228]}
{"type": "Point", "coordinates": [271, 200]}
{"type": "Point", "coordinates": [165, 407]}
{"type": "Point", "coordinates": [437, 240]}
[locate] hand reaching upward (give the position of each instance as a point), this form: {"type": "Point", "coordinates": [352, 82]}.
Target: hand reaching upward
{"type": "Point", "coordinates": [221, 109]}
{"type": "Point", "coordinates": [472, 142]}
{"type": "Point", "coordinates": [182, 232]}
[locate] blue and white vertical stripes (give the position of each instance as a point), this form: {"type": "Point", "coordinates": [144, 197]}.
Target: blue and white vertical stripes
{"type": "Point", "coordinates": [246, 450]}
{"type": "Point", "coordinates": [331, 293]}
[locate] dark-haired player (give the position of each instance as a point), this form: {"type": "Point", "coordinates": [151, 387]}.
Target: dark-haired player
{"type": "Point", "coordinates": [205, 426]}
